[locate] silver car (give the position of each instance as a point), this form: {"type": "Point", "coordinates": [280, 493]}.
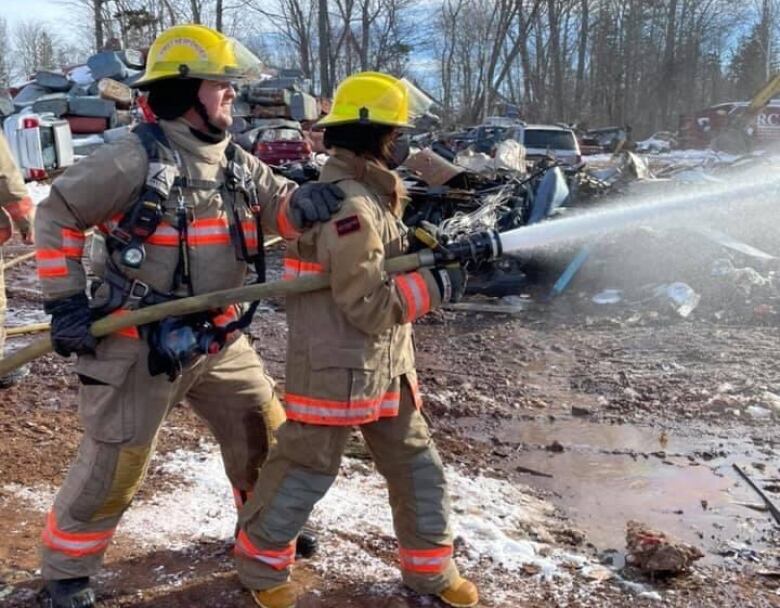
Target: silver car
{"type": "Point", "coordinates": [548, 140]}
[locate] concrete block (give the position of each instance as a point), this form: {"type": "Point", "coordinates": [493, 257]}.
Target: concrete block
{"type": "Point", "coordinates": [6, 104]}
{"type": "Point", "coordinates": [55, 81]}
{"type": "Point", "coordinates": [94, 107]}
{"type": "Point", "coordinates": [28, 95]}
{"type": "Point", "coordinates": [107, 64]}
{"type": "Point", "coordinates": [133, 58]}
{"type": "Point", "coordinates": [56, 103]}
{"type": "Point", "coordinates": [303, 107]}
{"type": "Point", "coordinates": [118, 92]}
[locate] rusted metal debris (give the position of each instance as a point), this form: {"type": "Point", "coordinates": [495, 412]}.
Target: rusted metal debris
{"type": "Point", "coordinates": [655, 553]}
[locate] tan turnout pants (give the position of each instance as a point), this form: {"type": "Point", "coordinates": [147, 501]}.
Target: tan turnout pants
{"type": "Point", "coordinates": [302, 466]}
{"type": "Point", "coordinates": [122, 409]}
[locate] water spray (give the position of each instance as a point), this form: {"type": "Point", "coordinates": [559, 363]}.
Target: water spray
{"type": "Point", "coordinates": [474, 248]}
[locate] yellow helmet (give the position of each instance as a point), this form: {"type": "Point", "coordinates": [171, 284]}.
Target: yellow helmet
{"type": "Point", "coordinates": [375, 98]}
{"type": "Point", "coordinates": [197, 51]}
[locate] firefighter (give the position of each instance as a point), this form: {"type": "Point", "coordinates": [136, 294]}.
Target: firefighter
{"type": "Point", "coordinates": [178, 210]}
{"type": "Point", "coordinates": [350, 362]}
{"type": "Point", "coordinates": [16, 209]}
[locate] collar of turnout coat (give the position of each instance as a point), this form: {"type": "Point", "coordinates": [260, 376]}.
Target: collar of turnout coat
{"type": "Point", "coordinates": [344, 164]}
{"type": "Point", "coordinates": [180, 136]}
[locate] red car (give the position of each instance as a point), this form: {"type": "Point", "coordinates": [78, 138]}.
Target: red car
{"type": "Point", "coordinates": [281, 144]}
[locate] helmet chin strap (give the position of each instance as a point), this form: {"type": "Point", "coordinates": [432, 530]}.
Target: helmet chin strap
{"type": "Point", "coordinates": [213, 130]}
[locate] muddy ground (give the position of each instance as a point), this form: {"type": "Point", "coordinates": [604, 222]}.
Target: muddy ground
{"type": "Point", "coordinates": [610, 413]}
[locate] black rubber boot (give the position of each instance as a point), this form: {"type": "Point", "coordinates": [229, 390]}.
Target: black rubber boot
{"type": "Point", "coordinates": [306, 544]}
{"type": "Point", "coordinates": [67, 593]}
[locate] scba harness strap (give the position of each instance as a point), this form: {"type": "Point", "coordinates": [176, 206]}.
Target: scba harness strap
{"type": "Point", "coordinates": [177, 341]}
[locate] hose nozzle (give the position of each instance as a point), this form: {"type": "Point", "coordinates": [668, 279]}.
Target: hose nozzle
{"type": "Point", "coordinates": [472, 249]}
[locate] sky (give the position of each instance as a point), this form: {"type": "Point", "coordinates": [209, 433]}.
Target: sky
{"type": "Point", "coordinates": [52, 11]}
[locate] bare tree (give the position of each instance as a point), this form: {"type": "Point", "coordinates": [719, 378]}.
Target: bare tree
{"type": "Point", "coordinates": [35, 47]}
{"type": "Point", "coordinates": [5, 54]}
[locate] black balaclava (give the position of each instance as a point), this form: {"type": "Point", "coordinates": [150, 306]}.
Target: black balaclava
{"type": "Point", "coordinates": [171, 98]}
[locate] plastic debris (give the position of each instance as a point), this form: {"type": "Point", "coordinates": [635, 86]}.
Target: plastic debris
{"type": "Point", "coordinates": [608, 296]}
{"type": "Point", "coordinates": [682, 297]}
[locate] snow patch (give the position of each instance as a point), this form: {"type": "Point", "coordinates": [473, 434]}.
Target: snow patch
{"type": "Point", "coordinates": [38, 191]}
{"type": "Point", "coordinates": [490, 520]}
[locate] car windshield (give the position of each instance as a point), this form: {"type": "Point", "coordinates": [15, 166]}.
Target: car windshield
{"type": "Point", "coordinates": [544, 138]}
{"type": "Point", "coordinates": [281, 135]}
{"type": "Point", "coordinates": [491, 132]}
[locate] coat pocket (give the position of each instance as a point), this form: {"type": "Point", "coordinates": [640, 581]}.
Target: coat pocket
{"type": "Point", "coordinates": [324, 357]}
{"type": "Point", "coordinates": [106, 398]}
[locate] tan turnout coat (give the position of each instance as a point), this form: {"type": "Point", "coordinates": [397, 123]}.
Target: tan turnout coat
{"type": "Point", "coordinates": [350, 347]}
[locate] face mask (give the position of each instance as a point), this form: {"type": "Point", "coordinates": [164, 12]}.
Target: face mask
{"type": "Point", "coordinates": [399, 151]}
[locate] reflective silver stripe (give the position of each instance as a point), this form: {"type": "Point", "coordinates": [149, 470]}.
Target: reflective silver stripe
{"type": "Point", "coordinates": [389, 404]}
{"type": "Point", "coordinates": [275, 561]}
{"type": "Point", "coordinates": [52, 262]}
{"type": "Point", "coordinates": [419, 298]}
{"type": "Point", "coordinates": [325, 412]}
{"type": "Point", "coordinates": [197, 230]}
{"type": "Point", "coordinates": [425, 561]}
{"type": "Point", "coordinates": [74, 545]}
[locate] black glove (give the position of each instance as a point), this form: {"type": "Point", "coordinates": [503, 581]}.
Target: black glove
{"type": "Point", "coordinates": [314, 202]}
{"type": "Point", "coordinates": [451, 281]}
{"type": "Point", "coordinates": [70, 321]}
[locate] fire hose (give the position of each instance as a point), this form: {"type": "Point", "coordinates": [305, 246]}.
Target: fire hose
{"type": "Point", "coordinates": [475, 248]}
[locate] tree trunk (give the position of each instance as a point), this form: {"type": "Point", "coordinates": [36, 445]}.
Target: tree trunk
{"type": "Point", "coordinates": [667, 83]}
{"type": "Point", "coordinates": [582, 49]}
{"type": "Point", "coordinates": [365, 33]}
{"type": "Point", "coordinates": [555, 54]}
{"type": "Point", "coordinates": [195, 6]}
{"type": "Point", "coordinates": [219, 9]}
{"type": "Point", "coordinates": [97, 6]}
{"type": "Point", "coordinates": [326, 84]}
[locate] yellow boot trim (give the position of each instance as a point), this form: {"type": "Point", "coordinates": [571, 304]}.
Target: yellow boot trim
{"type": "Point", "coordinates": [281, 596]}
{"type": "Point", "coordinates": [274, 417]}
{"type": "Point", "coordinates": [460, 594]}
{"type": "Point", "coordinates": [130, 471]}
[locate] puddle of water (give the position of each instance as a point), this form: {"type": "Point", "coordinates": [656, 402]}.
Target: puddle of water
{"type": "Point", "coordinates": [600, 491]}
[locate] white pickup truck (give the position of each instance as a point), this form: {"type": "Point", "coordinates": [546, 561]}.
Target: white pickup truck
{"type": "Point", "coordinates": [40, 143]}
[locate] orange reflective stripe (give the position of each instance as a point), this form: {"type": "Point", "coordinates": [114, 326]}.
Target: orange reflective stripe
{"type": "Point", "coordinates": [51, 263]}
{"type": "Point", "coordinates": [249, 228]}
{"type": "Point", "coordinates": [72, 243]}
{"type": "Point", "coordinates": [283, 224]}
{"type": "Point", "coordinates": [202, 232]}
{"type": "Point", "coordinates": [341, 413]}
{"type": "Point", "coordinates": [406, 293]}
{"type": "Point", "coordinates": [414, 291]}
{"type": "Point", "coordinates": [277, 559]}
{"type": "Point", "coordinates": [225, 317]}
{"type": "Point", "coordinates": [127, 332]}
{"type": "Point", "coordinates": [74, 544]}
{"type": "Point", "coordinates": [209, 231]}
{"type": "Point", "coordinates": [421, 291]}
{"type": "Point", "coordinates": [425, 560]}
{"type": "Point", "coordinates": [294, 268]}
{"type": "Point", "coordinates": [165, 236]}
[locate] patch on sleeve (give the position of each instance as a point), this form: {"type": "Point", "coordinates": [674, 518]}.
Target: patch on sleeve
{"type": "Point", "coordinates": [348, 225]}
